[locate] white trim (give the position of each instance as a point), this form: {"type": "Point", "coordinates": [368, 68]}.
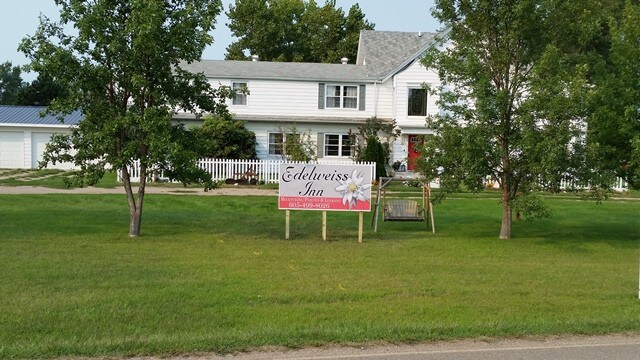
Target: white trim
{"type": "Point", "coordinates": [426, 101]}
{"type": "Point", "coordinates": [269, 143]}
{"type": "Point", "coordinates": [246, 96]}
{"type": "Point", "coordinates": [340, 145]}
{"type": "Point", "coordinates": [341, 97]}
{"type": "Point", "coordinates": [41, 126]}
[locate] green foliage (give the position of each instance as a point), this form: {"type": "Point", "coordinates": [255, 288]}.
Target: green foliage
{"type": "Point", "coordinates": [531, 206]}
{"type": "Point", "coordinates": [614, 118]}
{"type": "Point", "coordinates": [510, 96]}
{"type": "Point", "coordinates": [10, 83]}
{"type": "Point", "coordinates": [199, 281]}
{"type": "Point", "coordinates": [294, 30]}
{"type": "Point", "coordinates": [374, 152]}
{"type": "Point", "coordinates": [122, 68]}
{"type": "Point", "coordinates": [384, 132]}
{"type": "Point", "coordinates": [298, 146]}
{"type": "Point", "coordinates": [14, 91]}
{"type": "Point", "coordinates": [41, 91]}
{"type": "Point", "coordinates": [223, 137]}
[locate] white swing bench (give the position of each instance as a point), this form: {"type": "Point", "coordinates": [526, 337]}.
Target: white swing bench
{"type": "Point", "coordinates": [402, 210]}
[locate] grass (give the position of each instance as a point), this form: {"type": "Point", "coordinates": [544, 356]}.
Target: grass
{"type": "Point", "coordinates": [214, 274]}
{"type": "Point", "coordinates": [51, 178]}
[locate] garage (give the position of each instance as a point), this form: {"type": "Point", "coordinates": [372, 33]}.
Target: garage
{"type": "Point", "coordinates": [24, 135]}
{"type": "Point", "coordinates": [11, 149]}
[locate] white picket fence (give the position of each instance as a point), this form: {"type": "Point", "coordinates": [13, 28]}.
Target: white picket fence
{"type": "Point", "coordinates": [267, 171]}
{"type": "Point", "coordinates": [264, 171]}
{"type": "Point", "coordinates": [618, 185]}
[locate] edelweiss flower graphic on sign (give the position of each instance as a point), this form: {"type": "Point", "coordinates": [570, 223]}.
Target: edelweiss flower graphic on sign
{"type": "Point", "coordinates": [353, 189]}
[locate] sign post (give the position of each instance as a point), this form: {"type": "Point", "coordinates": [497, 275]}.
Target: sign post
{"type": "Point", "coordinates": [324, 187]}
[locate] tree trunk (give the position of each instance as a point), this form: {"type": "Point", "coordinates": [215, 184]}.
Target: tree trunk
{"type": "Point", "coordinates": [505, 229]}
{"type": "Point", "coordinates": [135, 202]}
{"type": "Point", "coordinates": [135, 220]}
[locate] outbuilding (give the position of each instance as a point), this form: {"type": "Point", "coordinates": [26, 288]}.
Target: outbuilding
{"type": "Point", "coordinates": [24, 133]}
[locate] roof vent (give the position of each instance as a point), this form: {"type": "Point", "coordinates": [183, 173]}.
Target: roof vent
{"type": "Point", "coordinates": [344, 61]}
{"type": "Point", "coordinates": [419, 33]}
{"type": "Point", "coordinates": [255, 57]}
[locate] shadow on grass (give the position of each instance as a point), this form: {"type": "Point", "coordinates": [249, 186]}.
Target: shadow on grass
{"type": "Point", "coordinates": [256, 217]}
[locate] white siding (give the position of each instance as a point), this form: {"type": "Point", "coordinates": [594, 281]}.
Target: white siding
{"type": "Point", "coordinates": [292, 98]}
{"type": "Point", "coordinates": [23, 147]}
{"type": "Point", "coordinates": [384, 107]}
{"type": "Point", "coordinates": [414, 76]}
{"type": "Point", "coordinates": [262, 130]}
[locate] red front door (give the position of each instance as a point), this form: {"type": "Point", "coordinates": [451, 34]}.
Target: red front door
{"type": "Point", "coordinates": [415, 144]}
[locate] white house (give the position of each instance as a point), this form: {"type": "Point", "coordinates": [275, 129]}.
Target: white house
{"type": "Point", "coordinates": [328, 100]}
{"type": "Point", "coordinates": [24, 135]}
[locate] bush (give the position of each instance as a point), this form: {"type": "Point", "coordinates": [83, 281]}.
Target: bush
{"type": "Point", "coordinates": [375, 152]}
{"type": "Point", "coordinates": [226, 138]}
{"type": "Point", "coordinates": [298, 146]}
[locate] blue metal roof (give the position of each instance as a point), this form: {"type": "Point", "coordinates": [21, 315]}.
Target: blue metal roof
{"type": "Point", "coordinates": [31, 115]}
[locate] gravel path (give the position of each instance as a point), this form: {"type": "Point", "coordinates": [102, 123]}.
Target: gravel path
{"type": "Point", "coordinates": [240, 191]}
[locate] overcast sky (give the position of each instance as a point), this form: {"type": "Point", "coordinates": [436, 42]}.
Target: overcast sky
{"type": "Point", "coordinates": [20, 17]}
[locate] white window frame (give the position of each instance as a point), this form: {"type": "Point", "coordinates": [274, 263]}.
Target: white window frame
{"type": "Point", "coordinates": [239, 99]}
{"type": "Point", "coordinates": [341, 145]}
{"type": "Point", "coordinates": [342, 96]}
{"type": "Point", "coordinates": [275, 144]}
{"type": "Point", "coordinates": [426, 100]}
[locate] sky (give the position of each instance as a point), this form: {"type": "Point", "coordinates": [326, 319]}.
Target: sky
{"type": "Point", "coordinates": [20, 18]}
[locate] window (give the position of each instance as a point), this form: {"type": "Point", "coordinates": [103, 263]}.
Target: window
{"type": "Point", "coordinates": [241, 92]}
{"type": "Point", "coordinates": [276, 143]}
{"type": "Point", "coordinates": [417, 102]}
{"type": "Point", "coordinates": [338, 145]}
{"type": "Point", "coordinates": [342, 96]}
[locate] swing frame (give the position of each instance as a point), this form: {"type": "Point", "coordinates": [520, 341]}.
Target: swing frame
{"type": "Point", "coordinates": [402, 209]}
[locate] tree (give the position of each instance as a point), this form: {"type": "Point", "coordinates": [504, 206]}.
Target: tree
{"type": "Point", "coordinates": [10, 83]}
{"type": "Point", "coordinates": [373, 143]}
{"type": "Point", "coordinates": [40, 91]}
{"type": "Point", "coordinates": [298, 146]}
{"type": "Point", "coordinates": [614, 119]}
{"type": "Point", "coordinates": [511, 102]}
{"type": "Point", "coordinates": [373, 151]}
{"type": "Point", "coordinates": [294, 30]}
{"type": "Point", "coordinates": [122, 69]}
{"type": "Point", "coordinates": [223, 137]}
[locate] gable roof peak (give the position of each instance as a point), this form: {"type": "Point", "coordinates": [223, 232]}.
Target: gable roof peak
{"type": "Point", "coordinates": [384, 51]}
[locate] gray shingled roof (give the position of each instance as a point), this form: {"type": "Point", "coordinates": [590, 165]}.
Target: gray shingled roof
{"type": "Point", "coordinates": [30, 115]}
{"type": "Point", "coordinates": [380, 54]}
{"type": "Point", "coordinates": [267, 70]}
{"type": "Point", "coordinates": [383, 52]}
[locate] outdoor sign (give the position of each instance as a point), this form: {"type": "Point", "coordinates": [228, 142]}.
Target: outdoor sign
{"type": "Point", "coordinates": [325, 187]}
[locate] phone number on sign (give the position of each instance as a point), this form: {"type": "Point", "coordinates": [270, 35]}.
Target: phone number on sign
{"type": "Point", "coordinates": [301, 205]}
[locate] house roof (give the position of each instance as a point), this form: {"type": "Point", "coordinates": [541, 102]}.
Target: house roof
{"type": "Point", "coordinates": [384, 52]}
{"type": "Point", "coordinates": [268, 70]}
{"type": "Point", "coordinates": [380, 55]}
{"type": "Point", "coordinates": [30, 115]}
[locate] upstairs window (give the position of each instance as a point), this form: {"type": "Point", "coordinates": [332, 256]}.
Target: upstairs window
{"type": "Point", "coordinates": [341, 96]}
{"type": "Point", "coordinates": [417, 102]}
{"type": "Point", "coordinates": [241, 92]}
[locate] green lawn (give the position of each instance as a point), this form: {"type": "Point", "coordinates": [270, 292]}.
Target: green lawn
{"type": "Point", "coordinates": [215, 274]}
{"type": "Point", "coordinates": [52, 178]}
